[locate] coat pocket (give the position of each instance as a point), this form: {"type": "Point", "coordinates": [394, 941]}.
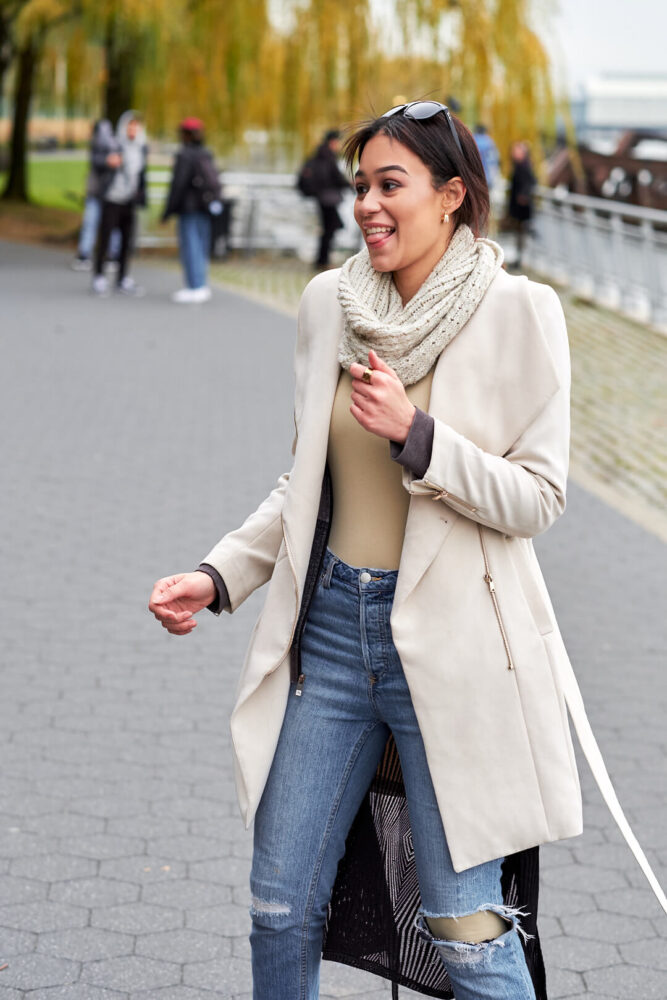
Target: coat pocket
{"type": "Point", "coordinates": [491, 584]}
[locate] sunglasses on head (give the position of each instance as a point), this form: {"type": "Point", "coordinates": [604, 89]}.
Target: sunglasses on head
{"type": "Point", "coordinates": [420, 110]}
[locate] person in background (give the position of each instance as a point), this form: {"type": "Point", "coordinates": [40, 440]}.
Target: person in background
{"type": "Point", "coordinates": [102, 143]}
{"type": "Point", "coordinates": [488, 152]}
{"type": "Point", "coordinates": [122, 190]}
{"type": "Point", "coordinates": [194, 195]}
{"type": "Point", "coordinates": [329, 184]}
{"type": "Point", "coordinates": [520, 205]}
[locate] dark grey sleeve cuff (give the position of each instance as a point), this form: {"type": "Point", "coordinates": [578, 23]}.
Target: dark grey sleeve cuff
{"type": "Point", "coordinates": [415, 453]}
{"type": "Point", "coordinates": [222, 600]}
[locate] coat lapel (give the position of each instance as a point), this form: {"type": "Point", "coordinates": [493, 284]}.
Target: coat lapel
{"type": "Point", "coordinates": [481, 390]}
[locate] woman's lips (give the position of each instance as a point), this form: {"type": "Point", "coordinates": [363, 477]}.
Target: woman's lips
{"type": "Point", "coordinates": [377, 236]}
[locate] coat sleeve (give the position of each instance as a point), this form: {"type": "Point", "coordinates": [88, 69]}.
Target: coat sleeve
{"type": "Point", "coordinates": [523, 491]}
{"type": "Point", "coordinates": [245, 558]}
{"type": "Point", "coordinates": [180, 181]}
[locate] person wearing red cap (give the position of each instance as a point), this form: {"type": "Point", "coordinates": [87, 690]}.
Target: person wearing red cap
{"type": "Point", "coordinates": [194, 195]}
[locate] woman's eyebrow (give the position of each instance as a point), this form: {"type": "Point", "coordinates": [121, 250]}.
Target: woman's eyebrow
{"type": "Point", "coordinates": [383, 170]}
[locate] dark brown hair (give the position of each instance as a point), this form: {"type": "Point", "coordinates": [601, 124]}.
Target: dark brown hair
{"type": "Point", "coordinates": [432, 141]}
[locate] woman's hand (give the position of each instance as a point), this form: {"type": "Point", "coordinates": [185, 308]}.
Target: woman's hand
{"type": "Point", "coordinates": [382, 407]}
{"type": "Point", "coordinates": [175, 599]}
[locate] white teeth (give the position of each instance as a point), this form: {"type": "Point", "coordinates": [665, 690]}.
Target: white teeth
{"type": "Point", "coordinates": [374, 230]}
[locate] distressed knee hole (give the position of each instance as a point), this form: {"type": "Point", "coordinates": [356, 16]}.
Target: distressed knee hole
{"type": "Point", "coordinates": [265, 908]}
{"type": "Point", "coordinates": [471, 938]}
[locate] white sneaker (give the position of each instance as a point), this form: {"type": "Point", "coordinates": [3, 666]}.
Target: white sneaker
{"type": "Point", "coordinates": [202, 294]}
{"type": "Point", "coordinates": [82, 264]}
{"type": "Point", "coordinates": [100, 286]}
{"type": "Point", "coordinates": [128, 286]}
{"type": "Point", "coordinates": [184, 296]}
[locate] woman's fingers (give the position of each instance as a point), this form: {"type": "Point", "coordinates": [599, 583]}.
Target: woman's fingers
{"type": "Point", "coordinates": [184, 628]}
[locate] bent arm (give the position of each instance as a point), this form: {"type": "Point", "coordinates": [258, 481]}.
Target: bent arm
{"type": "Point", "coordinates": [245, 558]}
{"type": "Point", "coordinates": [523, 491]}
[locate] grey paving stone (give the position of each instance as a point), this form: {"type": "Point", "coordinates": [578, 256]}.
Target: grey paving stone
{"type": "Point", "coordinates": [187, 893]}
{"type": "Point", "coordinates": [561, 983]}
{"type": "Point", "coordinates": [15, 843]}
{"type": "Point", "coordinates": [94, 892]}
{"type": "Point", "coordinates": [40, 917]}
{"type": "Point", "coordinates": [229, 920]}
{"type": "Point", "coordinates": [609, 927]}
{"type": "Point", "coordinates": [6, 993]}
{"type": "Point", "coordinates": [228, 871]}
{"type": "Point", "coordinates": [131, 973]}
{"type": "Point", "coordinates": [578, 954]}
{"type": "Point", "coordinates": [86, 944]}
{"type": "Point", "coordinates": [188, 848]}
{"type": "Point", "coordinates": [53, 867]}
{"type": "Point", "coordinates": [108, 806]}
{"type": "Point", "coordinates": [184, 946]}
{"type": "Point", "coordinates": [14, 889]}
{"type": "Point", "coordinates": [628, 981]}
{"type": "Point", "coordinates": [225, 976]}
{"type": "Point", "coordinates": [137, 918]}
{"type": "Point", "coordinates": [29, 972]}
{"type": "Point", "coordinates": [583, 878]}
{"type": "Point", "coordinates": [174, 993]}
{"type": "Point", "coordinates": [147, 826]}
{"type": "Point", "coordinates": [76, 992]}
{"type": "Point", "coordinates": [189, 808]}
{"type": "Point", "coordinates": [144, 869]}
{"type": "Point", "coordinates": [15, 943]}
{"type": "Point", "coordinates": [650, 954]}
{"type": "Point", "coordinates": [102, 845]}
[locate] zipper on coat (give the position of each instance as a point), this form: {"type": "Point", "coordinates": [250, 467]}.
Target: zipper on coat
{"type": "Point", "coordinates": [299, 685]}
{"type": "Point", "coordinates": [442, 494]}
{"type": "Point", "coordinates": [488, 580]}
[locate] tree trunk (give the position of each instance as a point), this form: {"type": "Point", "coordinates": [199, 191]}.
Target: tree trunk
{"type": "Point", "coordinates": [120, 47]}
{"type": "Point", "coordinates": [17, 182]}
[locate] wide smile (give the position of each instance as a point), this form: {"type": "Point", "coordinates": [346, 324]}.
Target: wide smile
{"type": "Point", "coordinates": [377, 236]}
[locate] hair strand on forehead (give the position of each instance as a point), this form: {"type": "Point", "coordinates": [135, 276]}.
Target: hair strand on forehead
{"type": "Point", "coordinates": [432, 141]}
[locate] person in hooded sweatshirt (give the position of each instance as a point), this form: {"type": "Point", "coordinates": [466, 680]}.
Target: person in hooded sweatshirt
{"type": "Point", "coordinates": [122, 190]}
{"type": "Point", "coordinates": [102, 143]}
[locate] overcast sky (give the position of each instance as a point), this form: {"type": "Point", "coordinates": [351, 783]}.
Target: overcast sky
{"type": "Point", "coordinates": [627, 36]}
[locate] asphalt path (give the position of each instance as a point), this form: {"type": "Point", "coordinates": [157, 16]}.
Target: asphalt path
{"type": "Point", "coordinates": [135, 433]}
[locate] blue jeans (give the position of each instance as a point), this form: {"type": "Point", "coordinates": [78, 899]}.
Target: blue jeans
{"type": "Point", "coordinates": [333, 736]}
{"type": "Point", "coordinates": [194, 239]}
{"type": "Point", "coordinates": [90, 223]}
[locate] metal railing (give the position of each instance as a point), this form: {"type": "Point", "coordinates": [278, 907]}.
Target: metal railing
{"type": "Point", "coordinates": [608, 252]}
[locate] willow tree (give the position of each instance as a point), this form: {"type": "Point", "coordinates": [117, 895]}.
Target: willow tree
{"type": "Point", "coordinates": [34, 20]}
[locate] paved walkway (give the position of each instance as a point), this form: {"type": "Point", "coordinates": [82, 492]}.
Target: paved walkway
{"type": "Point", "coordinates": [134, 435]}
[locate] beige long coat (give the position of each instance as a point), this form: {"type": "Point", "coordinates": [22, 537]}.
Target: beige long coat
{"type": "Point", "coordinates": [487, 657]}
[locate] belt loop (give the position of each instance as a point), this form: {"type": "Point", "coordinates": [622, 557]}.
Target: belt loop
{"type": "Point", "coordinates": [326, 576]}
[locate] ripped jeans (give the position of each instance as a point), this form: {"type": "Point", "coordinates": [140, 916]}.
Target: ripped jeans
{"type": "Point", "coordinates": [332, 739]}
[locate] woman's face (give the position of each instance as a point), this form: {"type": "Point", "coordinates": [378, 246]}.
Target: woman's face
{"type": "Point", "coordinates": [399, 213]}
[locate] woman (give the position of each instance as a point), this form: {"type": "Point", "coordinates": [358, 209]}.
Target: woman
{"type": "Point", "coordinates": [406, 616]}
{"type": "Point", "coordinates": [520, 202]}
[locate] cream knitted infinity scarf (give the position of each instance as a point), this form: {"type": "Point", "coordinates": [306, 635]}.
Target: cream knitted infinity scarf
{"type": "Point", "coordinates": [410, 338]}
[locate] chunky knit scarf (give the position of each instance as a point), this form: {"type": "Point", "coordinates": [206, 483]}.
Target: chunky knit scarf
{"type": "Point", "coordinates": [410, 338]}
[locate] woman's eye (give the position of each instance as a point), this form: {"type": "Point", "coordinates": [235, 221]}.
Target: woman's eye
{"type": "Point", "coordinates": [389, 185]}
{"type": "Point", "coordinates": [360, 189]}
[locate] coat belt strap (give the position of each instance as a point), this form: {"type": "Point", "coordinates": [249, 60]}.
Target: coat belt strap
{"type": "Point", "coordinates": [588, 743]}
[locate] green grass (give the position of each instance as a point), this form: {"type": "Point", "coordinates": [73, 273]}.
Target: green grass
{"type": "Point", "coordinates": [56, 183]}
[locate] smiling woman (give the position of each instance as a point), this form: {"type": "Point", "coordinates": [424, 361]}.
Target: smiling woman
{"type": "Point", "coordinates": [401, 714]}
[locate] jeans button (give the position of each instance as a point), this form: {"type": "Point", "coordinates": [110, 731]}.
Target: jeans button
{"type": "Point", "coordinates": [365, 577]}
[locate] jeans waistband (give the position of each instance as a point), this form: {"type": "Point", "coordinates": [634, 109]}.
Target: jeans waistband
{"type": "Point", "coordinates": [359, 578]}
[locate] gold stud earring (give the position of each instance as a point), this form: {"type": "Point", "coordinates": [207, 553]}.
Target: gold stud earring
{"type": "Point", "coordinates": [444, 218]}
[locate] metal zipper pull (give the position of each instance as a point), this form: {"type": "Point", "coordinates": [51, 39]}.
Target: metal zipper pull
{"type": "Point", "coordinates": [299, 685]}
{"type": "Point", "coordinates": [488, 579]}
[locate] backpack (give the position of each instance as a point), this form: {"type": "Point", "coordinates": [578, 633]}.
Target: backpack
{"type": "Point", "coordinates": [206, 182]}
{"type": "Point", "coordinates": [307, 180]}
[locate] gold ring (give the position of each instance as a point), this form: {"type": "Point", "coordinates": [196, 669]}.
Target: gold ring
{"type": "Point", "coordinates": [366, 377]}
